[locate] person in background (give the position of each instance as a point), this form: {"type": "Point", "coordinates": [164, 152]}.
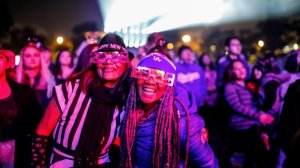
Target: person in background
{"type": "Point", "coordinates": [159, 130]}
{"type": "Point", "coordinates": [292, 67]}
{"type": "Point", "coordinates": [191, 74]}
{"type": "Point", "coordinates": [233, 48]}
{"type": "Point", "coordinates": [90, 38]}
{"type": "Point", "coordinates": [156, 43]}
{"type": "Point", "coordinates": [271, 63]}
{"type": "Point", "coordinates": [63, 66]}
{"type": "Point", "coordinates": [173, 56]}
{"type": "Point", "coordinates": [245, 120]}
{"type": "Point", "coordinates": [32, 71]}
{"type": "Point", "coordinates": [289, 127]}
{"type": "Point", "coordinates": [11, 72]}
{"type": "Point", "coordinates": [19, 111]}
{"type": "Point", "coordinates": [210, 75]}
{"type": "Point", "coordinates": [271, 87]}
{"type": "Point", "coordinates": [85, 113]}
{"type": "Point", "coordinates": [254, 83]}
{"type": "Point", "coordinates": [208, 111]}
{"type": "Point", "coordinates": [141, 52]}
{"type": "Point", "coordinates": [84, 58]}
{"type": "Point", "coordinates": [46, 55]}
{"type": "Point", "coordinates": [265, 87]}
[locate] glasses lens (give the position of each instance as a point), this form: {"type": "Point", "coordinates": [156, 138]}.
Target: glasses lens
{"type": "Point", "coordinates": [115, 57]}
{"type": "Point", "coordinates": [158, 76]}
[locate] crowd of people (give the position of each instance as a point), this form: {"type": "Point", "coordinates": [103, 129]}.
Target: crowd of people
{"type": "Point", "coordinates": [106, 107]}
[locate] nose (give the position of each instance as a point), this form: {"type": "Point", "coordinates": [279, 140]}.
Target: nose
{"type": "Point", "coordinates": [150, 80]}
{"type": "Point", "coordinates": [108, 60]}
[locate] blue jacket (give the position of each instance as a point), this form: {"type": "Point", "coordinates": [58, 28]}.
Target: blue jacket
{"type": "Point", "coordinates": [192, 76]}
{"type": "Point", "coordinates": [200, 153]}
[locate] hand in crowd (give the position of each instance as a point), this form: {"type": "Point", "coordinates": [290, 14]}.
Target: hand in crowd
{"type": "Point", "coordinates": [265, 138]}
{"type": "Point", "coordinates": [266, 119]}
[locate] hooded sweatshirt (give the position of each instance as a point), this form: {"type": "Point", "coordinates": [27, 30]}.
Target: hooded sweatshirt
{"type": "Point", "coordinates": [192, 76]}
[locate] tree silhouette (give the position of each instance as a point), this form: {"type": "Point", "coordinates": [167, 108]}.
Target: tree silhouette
{"type": "Point", "coordinates": [80, 29]}
{"type": "Point", "coordinates": [6, 22]}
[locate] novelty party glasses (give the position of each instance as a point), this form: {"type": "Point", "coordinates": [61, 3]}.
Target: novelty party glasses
{"type": "Point", "coordinates": [114, 56]}
{"type": "Point", "coordinates": [158, 76]}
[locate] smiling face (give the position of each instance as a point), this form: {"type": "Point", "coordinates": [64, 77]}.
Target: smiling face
{"type": "Point", "coordinates": [110, 71]}
{"type": "Point", "coordinates": [149, 91]}
{"type": "Point", "coordinates": [239, 70]}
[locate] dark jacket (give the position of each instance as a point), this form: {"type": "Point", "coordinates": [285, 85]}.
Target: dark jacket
{"type": "Point", "coordinates": [200, 153]}
{"type": "Point", "coordinates": [28, 116]}
{"type": "Point", "coordinates": [289, 125]}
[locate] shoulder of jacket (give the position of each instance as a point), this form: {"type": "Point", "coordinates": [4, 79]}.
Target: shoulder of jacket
{"type": "Point", "coordinates": [222, 60]}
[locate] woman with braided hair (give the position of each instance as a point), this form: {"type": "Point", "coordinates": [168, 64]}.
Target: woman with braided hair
{"type": "Point", "coordinates": [159, 130]}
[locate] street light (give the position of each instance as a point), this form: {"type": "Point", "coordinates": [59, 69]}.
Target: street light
{"type": "Point", "coordinates": [59, 40]}
{"type": "Point", "coordinates": [261, 43]}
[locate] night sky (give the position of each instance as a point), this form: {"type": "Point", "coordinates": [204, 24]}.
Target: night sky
{"type": "Point", "coordinates": [54, 17]}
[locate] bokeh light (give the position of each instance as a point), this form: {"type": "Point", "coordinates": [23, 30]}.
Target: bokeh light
{"type": "Point", "coordinates": [261, 43]}
{"type": "Point", "coordinates": [186, 38]}
{"type": "Point", "coordinates": [59, 40]}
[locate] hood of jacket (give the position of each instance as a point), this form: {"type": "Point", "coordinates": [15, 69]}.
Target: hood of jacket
{"type": "Point", "coordinates": [185, 100]}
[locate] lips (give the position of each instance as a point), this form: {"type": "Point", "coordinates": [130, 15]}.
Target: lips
{"type": "Point", "coordinates": [149, 91]}
{"type": "Point", "coordinates": [108, 69]}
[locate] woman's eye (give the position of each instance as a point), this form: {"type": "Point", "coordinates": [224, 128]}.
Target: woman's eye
{"type": "Point", "coordinates": [114, 56]}
{"type": "Point", "coordinates": [159, 77]}
{"type": "Point", "coordinates": [145, 74]}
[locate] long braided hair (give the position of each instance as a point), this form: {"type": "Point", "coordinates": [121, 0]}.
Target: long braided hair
{"type": "Point", "coordinates": [166, 151]}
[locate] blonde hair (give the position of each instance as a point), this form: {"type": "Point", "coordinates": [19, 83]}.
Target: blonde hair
{"type": "Point", "coordinates": [44, 76]}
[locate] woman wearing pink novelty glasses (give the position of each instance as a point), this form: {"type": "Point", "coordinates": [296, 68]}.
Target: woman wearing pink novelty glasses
{"type": "Point", "coordinates": [84, 116]}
